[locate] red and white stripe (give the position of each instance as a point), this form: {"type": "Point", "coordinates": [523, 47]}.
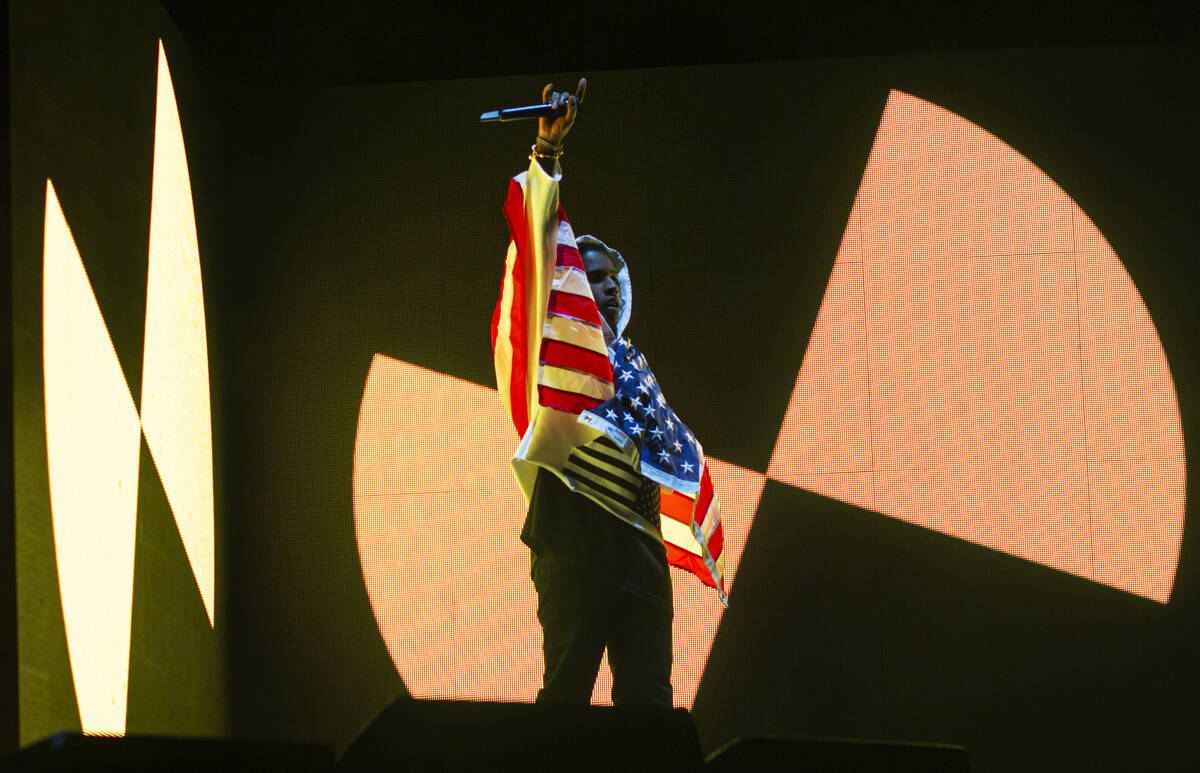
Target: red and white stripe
{"type": "Point", "coordinates": [553, 313]}
{"type": "Point", "coordinates": [572, 372]}
{"type": "Point", "coordinates": [692, 532]}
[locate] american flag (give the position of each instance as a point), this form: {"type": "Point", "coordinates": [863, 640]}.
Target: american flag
{"type": "Point", "coordinates": [592, 413]}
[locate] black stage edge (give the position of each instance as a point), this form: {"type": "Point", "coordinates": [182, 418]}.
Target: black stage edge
{"type": "Point", "coordinates": [70, 752]}
{"type": "Point", "coordinates": [448, 736]}
{"type": "Point", "coordinates": [840, 755]}
{"type": "Point", "coordinates": [416, 735]}
{"type": "Point", "coordinates": [473, 735]}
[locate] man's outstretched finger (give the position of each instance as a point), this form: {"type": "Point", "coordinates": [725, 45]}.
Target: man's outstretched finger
{"type": "Point", "coordinates": [580, 90]}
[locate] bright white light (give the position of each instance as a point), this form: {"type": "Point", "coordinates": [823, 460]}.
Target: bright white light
{"type": "Point", "coordinates": [175, 403]}
{"type": "Point", "coordinates": [92, 447]}
{"type": "Point", "coordinates": [93, 433]}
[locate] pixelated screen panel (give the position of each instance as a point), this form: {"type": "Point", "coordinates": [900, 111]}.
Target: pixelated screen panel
{"type": "Point", "coordinates": [93, 430]}
{"type": "Point", "coordinates": [437, 513]}
{"type": "Point", "coordinates": [982, 365]}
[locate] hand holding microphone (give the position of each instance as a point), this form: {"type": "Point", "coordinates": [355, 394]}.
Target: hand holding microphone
{"type": "Point", "coordinates": [556, 114]}
{"type": "Point", "coordinates": [554, 128]}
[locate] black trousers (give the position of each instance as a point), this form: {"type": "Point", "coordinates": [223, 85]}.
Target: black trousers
{"type": "Point", "coordinates": [581, 617]}
{"type": "Point", "coordinates": [615, 596]}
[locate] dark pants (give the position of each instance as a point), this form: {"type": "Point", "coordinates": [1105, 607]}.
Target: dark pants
{"type": "Point", "coordinates": [580, 617]}
{"type": "Point", "coordinates": [612, 590]}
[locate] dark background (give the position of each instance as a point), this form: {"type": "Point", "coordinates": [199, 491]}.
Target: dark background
{"type": "Point", "coordinates": [347, 207]}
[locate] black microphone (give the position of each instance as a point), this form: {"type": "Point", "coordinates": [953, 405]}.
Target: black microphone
{"type": "Point", "coordinates": [522, 113]}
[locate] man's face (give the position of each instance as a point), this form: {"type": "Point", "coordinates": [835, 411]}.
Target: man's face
{"type": "Point", "coordinates": [602, 275]}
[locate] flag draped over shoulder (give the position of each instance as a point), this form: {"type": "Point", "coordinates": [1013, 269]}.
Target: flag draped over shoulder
{"type": "Point", "coordinates": [589, 411]}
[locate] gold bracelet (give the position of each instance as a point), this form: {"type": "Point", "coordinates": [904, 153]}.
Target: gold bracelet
{"type": "Point", "coordinates": [536, 152]}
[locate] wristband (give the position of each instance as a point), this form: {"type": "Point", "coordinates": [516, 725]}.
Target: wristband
{"type": "Point", "coordinates": [536, 151]}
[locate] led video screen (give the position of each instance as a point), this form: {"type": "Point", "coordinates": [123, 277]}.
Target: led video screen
{"type": "Point", "coordinates": [928, 354]}
{"type": "Point", "coordinates": [981, 365]}
{"type": "Point", "coordinates": [927, 316]}
{"type": "Point", "coordinates": [120, 623]}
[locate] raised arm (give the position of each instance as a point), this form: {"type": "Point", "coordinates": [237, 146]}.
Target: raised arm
{"type": "Point", "coordinates": [552, 131]}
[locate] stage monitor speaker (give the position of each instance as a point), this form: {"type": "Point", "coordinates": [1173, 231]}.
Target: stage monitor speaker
{"type": "Point", "coordinates": [470, 736]}
{"type": "Point", "coordinates": [772, 754]}
{"type": "Point", "coordinates": [71, 753]}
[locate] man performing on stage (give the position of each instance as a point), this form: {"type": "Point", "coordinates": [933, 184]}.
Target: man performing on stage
{"type": "Point", "coordinates": [601, 453]}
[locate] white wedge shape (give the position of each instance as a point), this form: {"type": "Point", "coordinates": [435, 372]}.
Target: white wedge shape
{"type": "Point", "coordinates": [176, 413]}
{"type": "Point", "coordinates": [92, 449]}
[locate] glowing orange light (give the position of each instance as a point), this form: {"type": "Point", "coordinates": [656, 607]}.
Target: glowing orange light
{"type": "Point", "coordinates": [437, 514]}
{"type": "Point", "coordinates": [982, 365]}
